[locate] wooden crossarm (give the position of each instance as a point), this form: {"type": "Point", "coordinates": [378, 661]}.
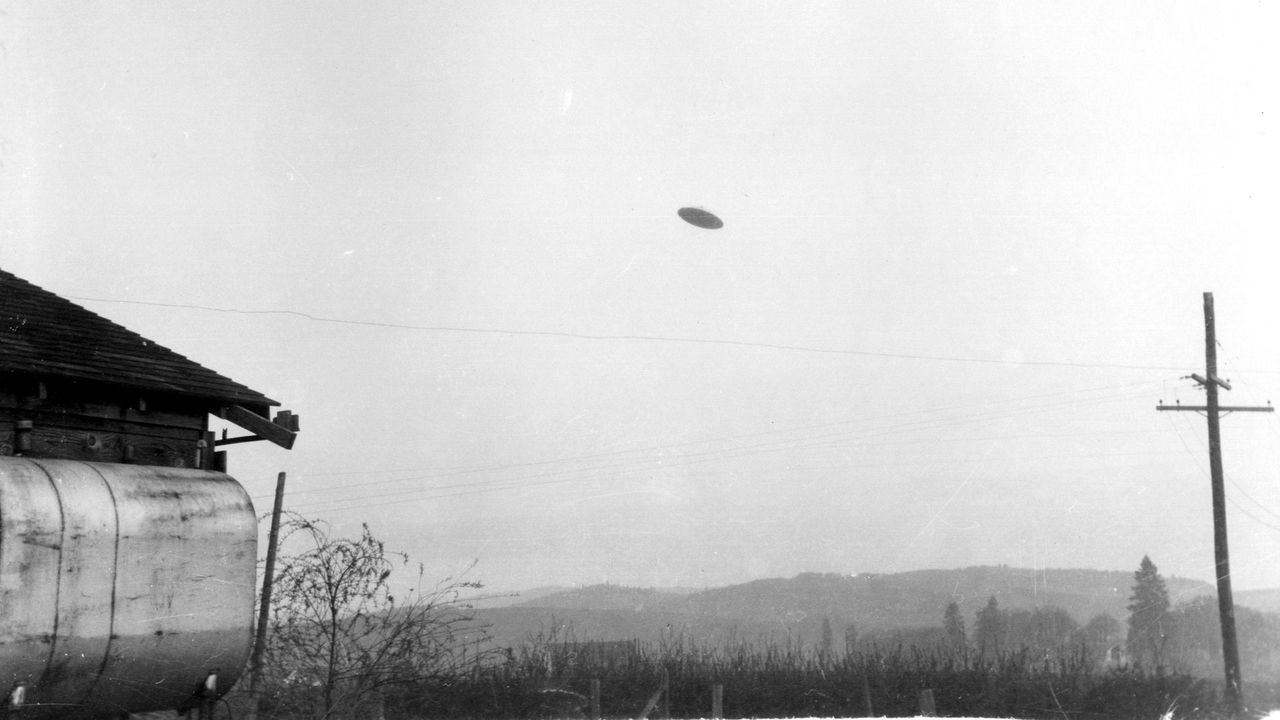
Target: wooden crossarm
{"type": "Point", "coordinates": [260, 426]}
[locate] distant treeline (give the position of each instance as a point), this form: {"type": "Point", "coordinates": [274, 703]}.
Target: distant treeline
{"type": "Point", "coordinates": [1191, 639]}
{"type": "Point", "coordinates": [1019, 663]}
{"type": "Point", "coordinates": [343, 646]}
{"type": "Point", "coordinates": [552, 677]}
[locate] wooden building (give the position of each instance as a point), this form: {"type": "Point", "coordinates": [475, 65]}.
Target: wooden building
{"type": "Point", "coordinates": [76, 386]}
{"type": "Point", "coordinates": [127, 554]}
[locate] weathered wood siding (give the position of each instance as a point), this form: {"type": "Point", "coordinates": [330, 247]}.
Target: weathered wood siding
{"type": "Point", "coordinates": [72, 421]}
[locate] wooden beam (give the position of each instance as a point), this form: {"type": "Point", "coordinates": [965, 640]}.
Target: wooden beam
{"type": "Point", "coordinates": [238, 440]}
{"type": "Point", "coordinates": [260, 426]}
{"type": "Point", "coordinates": [1221, 408]}
{"type": "Point", "coordinates": [287, 420]}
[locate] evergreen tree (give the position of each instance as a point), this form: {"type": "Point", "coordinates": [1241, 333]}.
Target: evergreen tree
{"type": "Point", "coordinates": [989, 629]}
{"type": "Point", "coordinates": [953, 625]}
{"type": "Point", "coordinates": [1150, 624]}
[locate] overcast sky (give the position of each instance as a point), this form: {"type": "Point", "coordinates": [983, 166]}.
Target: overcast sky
{"type": "Point", "coordinates": [963, 258]}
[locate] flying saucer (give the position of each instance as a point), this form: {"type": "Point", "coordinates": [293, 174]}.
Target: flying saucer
{"type": "Point", "coordinates": [700, 218]}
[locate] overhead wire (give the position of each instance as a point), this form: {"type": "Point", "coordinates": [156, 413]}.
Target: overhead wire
{"type": "Point", "coordinates": [1230, 478]}
{"type": "Point", "coordinates": [776, 446]}
{"type": "Point", "coordinates": [1197, 458]}
{"type": "Point", "coordinates": [881, 431]}
{"type": "Point", "coordinates": [634, 337]}
{"type": "Point", "coordinates": [838, 438]}
{"type": "Point", "coordinates": [557, 477]}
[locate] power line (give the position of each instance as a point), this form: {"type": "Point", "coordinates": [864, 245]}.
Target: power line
{"type": "Point", "coordinates": [1239, 488]}
{"type": "Point", "coordinates": [806, 440]}
{"type": "Point", "coordinates": [1067, 398]}
{"type": "Point", "coordinates": [523, 483]}
{"type": "Point", "coordinates": [625, 467]}
{"type": "Point", "coordinates": [1251, 516]}
{"type": "Point", "coordinates": [638, 338]}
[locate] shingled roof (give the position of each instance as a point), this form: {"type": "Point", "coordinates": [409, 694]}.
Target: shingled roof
{"type": "Point", "coordinates": [45, 335]}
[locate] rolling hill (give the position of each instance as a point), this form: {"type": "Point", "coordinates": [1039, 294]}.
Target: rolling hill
{"type": "Point", "coordinates": [796, 607]}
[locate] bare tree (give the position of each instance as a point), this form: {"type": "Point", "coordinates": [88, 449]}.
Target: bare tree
{"type": "Point", "coordinates": [340, 636]}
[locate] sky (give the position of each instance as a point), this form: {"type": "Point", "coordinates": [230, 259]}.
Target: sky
{"type": "Point", "coordinates": [964, 253]}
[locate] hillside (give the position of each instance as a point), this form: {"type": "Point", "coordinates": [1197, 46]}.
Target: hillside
{"type": "Point", "coordinates": [881, 602]}
{"type": "Point", "coordinates": [606, 597]}
{"type": "Point", "coordinates": [796, 607]}
{"type": "Point", "coordinates": [1262, 600]}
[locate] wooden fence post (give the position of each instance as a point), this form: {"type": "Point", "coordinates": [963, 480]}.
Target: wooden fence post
{"type": "Point", "coordinates": [595, 699]}
{"type": "Point", "coordinates": [664, 687]}
{"type": "Point", "coordinates": [927, 707]}
{"type": "Point", "coordinates": [264, 610]}
{"type": "Point", "coordinates": [717, 701]}
{"type": "Point", "coordinates": [866, 696]}
{"type": "Point", "coordinates": [666, 694]}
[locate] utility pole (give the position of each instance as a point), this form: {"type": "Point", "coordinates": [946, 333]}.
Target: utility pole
{"type": "Point", "coordinates": [264, 611]}
{"type": "Point", "coordinates": [1226, 605]}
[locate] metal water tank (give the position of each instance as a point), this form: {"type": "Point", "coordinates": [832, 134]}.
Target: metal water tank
{"type": "Point", "coordinates": [122, 587]}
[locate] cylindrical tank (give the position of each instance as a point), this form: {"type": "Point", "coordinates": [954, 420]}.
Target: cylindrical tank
{"type": "Point", "coordinates": [122, 587]}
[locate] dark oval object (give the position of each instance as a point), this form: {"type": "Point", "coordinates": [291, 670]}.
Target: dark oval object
{"type": "Point", "coordinates": [700, 217]}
